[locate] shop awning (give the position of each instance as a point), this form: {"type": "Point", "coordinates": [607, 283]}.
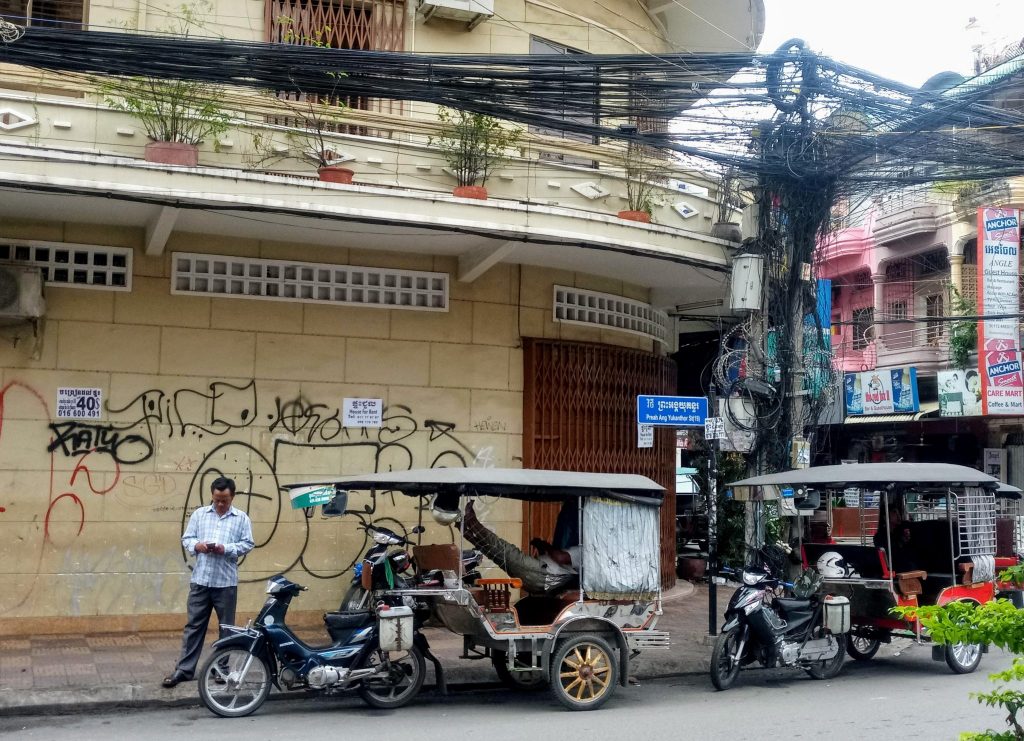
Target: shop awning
{"type": "Point", "coordinates": [928, 409]}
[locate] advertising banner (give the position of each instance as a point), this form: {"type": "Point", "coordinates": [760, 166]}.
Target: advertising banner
{"type": "Point", "coordinates": [998, 293]}
{"type": "Point", "coordinates": [960, 393]}
{"type": "Point", "coordinates": [883, 391]}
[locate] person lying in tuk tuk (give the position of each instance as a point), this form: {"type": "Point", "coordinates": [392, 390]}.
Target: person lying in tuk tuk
{"type": "Point", "coordinates": [554, 570]}
{"type": "Point", "coordinates": [901, 558]}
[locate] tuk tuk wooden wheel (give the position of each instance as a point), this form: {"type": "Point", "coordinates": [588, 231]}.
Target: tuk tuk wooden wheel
{"type": "Point", "coordinates": [584, 671]}
{"type": "Point", "coordinates": [861, 648]}
{"type": "Point", "coordinates": [529, 681]}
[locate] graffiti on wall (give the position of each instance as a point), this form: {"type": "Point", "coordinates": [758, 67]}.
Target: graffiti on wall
{"type": "Point", "coordinates": [220, 430]}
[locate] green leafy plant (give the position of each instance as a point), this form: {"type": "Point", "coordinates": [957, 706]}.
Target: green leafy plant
{"type": "Point", "coordinates": [963, 334]}
{"type": "Point", "coordinates": [314, 118]}
{"type": "Point", "coordinates": [171, 110]}
{"type": "Point", "coordinates": [646, 170]}
{"type": "Point", "coordinates": [473, 144]}
{"type": "Point", "coordinates": [997, 623]}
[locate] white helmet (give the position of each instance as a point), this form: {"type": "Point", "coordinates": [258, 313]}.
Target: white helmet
{"type": "Point", "coordinates": [832, 564]}
{"type": "Point", "coordinates": [445, 509]}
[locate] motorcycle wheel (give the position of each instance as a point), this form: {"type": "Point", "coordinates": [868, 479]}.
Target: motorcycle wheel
{"type": "Point", "coordinates": [523, 681]}
{"type": "Point", "coordinates": [584, 671]}
{"type": "Point", "coordinates": [234, 683]}
{"type": "Point", "coordinates": [724, 668]}
{"type": "Point", "coordinates": [963, 658]}
{"type": "Point", "coordinates": [830, 667]}
{"type": "Point", "coordinates": [400, 685]}
{"type": "Point", "coordinates": [860, 648]}
{"type": "Point", "coordinates": [354, 599]}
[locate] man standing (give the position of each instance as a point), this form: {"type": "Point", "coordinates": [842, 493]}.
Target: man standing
{"type": "Point", "coordinates": [217, 536]}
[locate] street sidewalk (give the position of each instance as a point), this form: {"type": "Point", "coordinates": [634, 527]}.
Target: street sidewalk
{"type": "Point", "coordinates": [71, 673]}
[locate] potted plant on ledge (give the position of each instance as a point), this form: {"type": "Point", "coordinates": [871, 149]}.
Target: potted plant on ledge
{"type": "Point", "coordinates": [728, 199]}
{"type": "Point", "coordinates": [645, 170]}
{"type": "Point", "coordinates": [177, 115]}
{"type": "Point", "coordinates": [472, 145]}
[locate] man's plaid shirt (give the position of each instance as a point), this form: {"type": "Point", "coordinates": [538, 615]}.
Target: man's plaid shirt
{"type": "Point", "coordinates": [233, 531]}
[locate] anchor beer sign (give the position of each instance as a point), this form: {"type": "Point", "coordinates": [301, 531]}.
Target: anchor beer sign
{"type": "Point", "coordinates": [998, 294]}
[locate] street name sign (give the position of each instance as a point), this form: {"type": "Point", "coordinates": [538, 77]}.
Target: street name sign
{"type": "Point", "coordinates": [671, 411]}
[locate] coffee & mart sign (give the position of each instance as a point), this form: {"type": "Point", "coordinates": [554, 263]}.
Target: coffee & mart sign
{"type": "Point", "coordinates": [883, 391]}
{"type": "Point", "coordinates": [999, 358]}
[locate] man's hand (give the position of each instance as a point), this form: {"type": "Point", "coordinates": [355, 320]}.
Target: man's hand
{"type": "Point", "coordinates": [541, 545]}
{"type": "Point", "coordinates": [201, 548]}
{"type": "Point", "coordinates": [218, 549]}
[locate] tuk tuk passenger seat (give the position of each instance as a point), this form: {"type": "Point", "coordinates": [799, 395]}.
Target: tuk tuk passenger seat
{"type": "Point", "coordinates": [909, 582]}
{"type": "Point", "coordinates": [443, 556]}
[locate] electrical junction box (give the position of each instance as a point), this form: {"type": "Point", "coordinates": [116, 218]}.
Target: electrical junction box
{"type": "Point", "coordinates": [473, 12]}
{"type": "Point", "coordinates": [747, 277]}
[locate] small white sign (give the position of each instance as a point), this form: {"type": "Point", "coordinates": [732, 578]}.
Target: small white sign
{"type": "Point", "coordinates": [75, 403]}
{"type": "Point", "coordinates": [645, 436]}
{"type": "Point", "coordinates": [714, 428]}
{"type": "Point", "coordinates": [363, 412]}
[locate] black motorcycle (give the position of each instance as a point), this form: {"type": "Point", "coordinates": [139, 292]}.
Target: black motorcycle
{"type": "Point", "coordinates": [372, 652]}
{"type": "Point", "coordinates": [387, 565]}
{"type": "Point", "coordinates": [807, 631]}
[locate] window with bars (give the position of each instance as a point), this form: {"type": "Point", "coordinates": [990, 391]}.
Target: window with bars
{"type": "Point", "coordinates": [863, 323]}
{"type": "Point", "coordinates": [73, 265]}
{"type": "Point", "coordinates": [933, 307]}
{"type": "Point", "coordinates": [365, 25]}
{"type": "Point", "coordinates": [284, 280]}
{"type": "Point", "coordinates": [555, 103]}
{"type": "Point", "coordinates": [65, 14]}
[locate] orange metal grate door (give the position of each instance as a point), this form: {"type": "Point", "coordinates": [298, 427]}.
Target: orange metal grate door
{"type": "Point", "coordinates": [579, 414]}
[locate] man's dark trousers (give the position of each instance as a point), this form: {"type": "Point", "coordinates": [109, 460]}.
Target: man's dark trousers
{"type": "Point", "coordinates": [201, 601]}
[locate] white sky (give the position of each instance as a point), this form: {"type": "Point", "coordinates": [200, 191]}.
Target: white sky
{"type": "Point", "coordinates": [905, 40]}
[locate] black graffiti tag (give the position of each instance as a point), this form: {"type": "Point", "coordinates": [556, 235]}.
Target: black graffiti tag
{"type": "Point", "coordinates": [77, 438]}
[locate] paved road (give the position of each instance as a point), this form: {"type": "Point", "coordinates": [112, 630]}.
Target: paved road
{"type": "Point", "coordinates": [909, 697]}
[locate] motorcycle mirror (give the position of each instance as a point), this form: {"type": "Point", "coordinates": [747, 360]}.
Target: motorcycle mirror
{"type": "Point", "coordinates": [338, 504]}
{"type": "Point", "coordinates": [418, 529]}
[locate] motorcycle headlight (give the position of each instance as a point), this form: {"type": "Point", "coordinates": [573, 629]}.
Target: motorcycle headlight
{"type": "Point", "coordinates": [751, 578]}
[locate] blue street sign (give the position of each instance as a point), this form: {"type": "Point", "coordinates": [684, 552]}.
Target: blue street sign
{"type": "Point", "coordinates": [671, 411]}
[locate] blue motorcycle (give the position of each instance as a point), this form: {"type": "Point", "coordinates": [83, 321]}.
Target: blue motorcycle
{"type": "Point", "coordinates": [377, 653]}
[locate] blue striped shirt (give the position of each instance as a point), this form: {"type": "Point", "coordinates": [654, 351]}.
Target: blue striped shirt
{"type": "Point", "coordinates": [233, 531]}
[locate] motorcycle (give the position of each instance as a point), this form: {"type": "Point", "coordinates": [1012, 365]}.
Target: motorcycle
{"type": "Point", "coordinates": [378, 653]}
{"type": "Point", "coordinates": [387, 567]}
{"type": "Point", "coordinates": [808, 631]}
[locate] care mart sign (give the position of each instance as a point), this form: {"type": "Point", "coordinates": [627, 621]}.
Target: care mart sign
{"type": "Point", "coordinates": [998, 293]}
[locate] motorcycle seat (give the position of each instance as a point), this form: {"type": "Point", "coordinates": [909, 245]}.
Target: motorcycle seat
{"type": "Point", "coordinates": [791, 605]}
{"type": "Point", "coordinates": [347, 620]}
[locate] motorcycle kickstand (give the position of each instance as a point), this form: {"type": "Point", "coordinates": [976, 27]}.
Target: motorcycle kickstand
{"type": "Point", "coordinates": [439, 680]}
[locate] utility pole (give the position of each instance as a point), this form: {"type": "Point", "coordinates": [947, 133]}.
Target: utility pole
{"type": "Point", "coordinates": [712, 520]}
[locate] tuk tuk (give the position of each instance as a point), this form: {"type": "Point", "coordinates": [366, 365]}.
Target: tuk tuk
{"type": "Point", "coordinates": [577, 640]}
{"type": "Point", "coordinates": [904, 534]}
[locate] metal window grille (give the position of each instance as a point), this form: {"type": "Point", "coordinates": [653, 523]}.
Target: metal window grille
{"type": "Point", "coordinates": [577, 306]}
{"type": "Point", "coordinates": [73, 265]}
{"type": "Point", "coordinates": [284, 280]}
{"type": "Point", "coordinates": [976, 517]}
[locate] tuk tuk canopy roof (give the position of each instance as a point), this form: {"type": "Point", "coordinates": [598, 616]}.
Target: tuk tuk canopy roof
{"type": "Point", "coordinates": [877, 475]}
{"type": "Point", "coordinates": [516, 483]}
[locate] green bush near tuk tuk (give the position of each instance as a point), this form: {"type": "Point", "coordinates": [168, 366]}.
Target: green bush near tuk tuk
{"type": "Point", "coordinates": [998, 623]}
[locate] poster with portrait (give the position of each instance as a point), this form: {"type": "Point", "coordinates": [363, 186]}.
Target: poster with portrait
{"type": "Point", "coordinates": [960, 393]}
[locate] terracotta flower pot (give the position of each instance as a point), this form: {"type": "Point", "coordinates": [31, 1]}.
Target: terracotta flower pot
{"type": "Point", "coordinates": [336, 174]}
{"type": "Point", "coordinates": [635, 216]}
{"type": "Point", "coordinates": [172, 153]}
{"type": "Point", "coordinates": [728, 230]}
{"type": "Point", "coordinates": [692, 568]}
{"type": "Point", "coordinates": [471, 191]}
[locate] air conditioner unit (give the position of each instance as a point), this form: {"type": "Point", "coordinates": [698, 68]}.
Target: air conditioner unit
{"type": "Point", "coordinates": [21, 293]}
{"type": "Point", "coordinates": [473, 12]}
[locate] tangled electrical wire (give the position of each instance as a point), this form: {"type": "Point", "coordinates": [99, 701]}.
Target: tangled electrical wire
{"type": "Point", "coordinates": [791, 114]}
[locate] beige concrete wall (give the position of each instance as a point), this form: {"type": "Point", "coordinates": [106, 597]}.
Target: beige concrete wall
{"type": "Point", "coordinates": [91, 512]}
